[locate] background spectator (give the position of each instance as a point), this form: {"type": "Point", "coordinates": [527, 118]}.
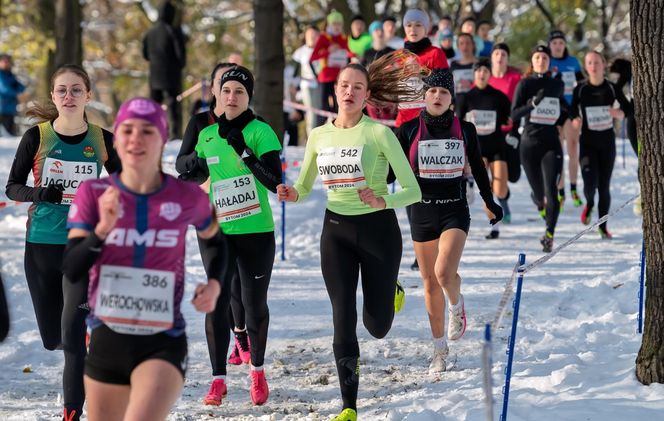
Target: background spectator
{"type": "Point", "coordinates": [10, 87]}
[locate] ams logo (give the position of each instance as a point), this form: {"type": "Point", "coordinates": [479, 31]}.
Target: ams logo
{"type": "Point", "coordinates": [129, 237]}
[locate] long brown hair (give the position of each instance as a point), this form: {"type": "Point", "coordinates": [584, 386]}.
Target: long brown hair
{"type": "Point", "coordinates": [45, 110]}
{"type": "Point", "coordinates": [388, 77]}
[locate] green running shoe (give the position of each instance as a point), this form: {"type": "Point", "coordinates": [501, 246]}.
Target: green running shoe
{"type": "Point", "coordinates": [399, 297]}
{"type": "Point", "coordinates": [346, 415]}
{"type": "Point", "coordinates": [576, 200]}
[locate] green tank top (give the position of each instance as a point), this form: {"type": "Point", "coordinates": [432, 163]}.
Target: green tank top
{"type": "Point", "coordinates": [240, 201]}
{"type": "Point", "coordinates": [57, 162]}
{"type": "Point", "coordinates": [350, 159]}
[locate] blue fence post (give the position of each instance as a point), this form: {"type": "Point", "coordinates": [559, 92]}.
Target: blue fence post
{"type": "Point", "coordinates": [624, 141]}
{"type": "Point", "coordinates": [283, 208]}
{"type": "Point", "coordinates": [488, 376]}
{"type": "Point", "coordinates": [641, 287]}
{"type": "Point", "coordinates": [510, 345]}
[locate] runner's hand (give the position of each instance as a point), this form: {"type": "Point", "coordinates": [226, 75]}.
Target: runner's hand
{"type": "Point", "coordinates": [236, 140]}
{"type": "Point", "coordinates": [538, 97]}
{"type": "Point", "coordinates": [109, 211]}
{"type": "Point", "coordinates": [206, 295]}
{"type": "Point", "coordinates": [286, 193]}
{"type": "Point", "coordinates": [495, 212]}
{"type": "Point", "coordinates": [52, 193]}
{"type": "Point", "coordinates": [368, 197]}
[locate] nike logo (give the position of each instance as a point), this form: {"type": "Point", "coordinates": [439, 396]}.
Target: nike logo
{"type": "Point", "coordinates": [259, 276]}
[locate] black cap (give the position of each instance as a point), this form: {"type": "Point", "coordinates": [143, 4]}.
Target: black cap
{"type": "Point", "coordinates": [390, 18]}
{"type": "Point", "coordinates": [468, 18]}
{"type": "Point", "coordinates": [501, 46]}
{"type": "Point", "coordinates": [483, 62]}
{"type": "Point", "coordinates": [542, 49]}
{"type": "Point", "coordinates": [441, 78]}
{"type": "Point", "coordinates": [557, 34]}
{"type": "Point", "coordinates": [357, 17]}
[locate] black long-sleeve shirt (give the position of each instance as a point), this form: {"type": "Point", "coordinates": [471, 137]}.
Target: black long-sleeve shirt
{"type": "Point", "coordinates": [592, 102]}
{"type": "Point", "coordinates": [187, 159]}
{"type": "Point", "coordinates": [25, 157]}
{"type": "Point", "coordinates": [482, 100]}
{"type": "Point", "coordinates": [449, 189]}
{"type": "Point", "coordinates": [522, 105]}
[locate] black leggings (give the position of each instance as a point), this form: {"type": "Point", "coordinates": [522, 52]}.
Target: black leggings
{"type": "Point", "coordinates": [597, 157]}
{"type": "Point", "coordinates": [369, 245]}
{"type": "Point", "coordinates": [60, 308]}
{"type": "Point", "coordinates": [542, 161]}
{"type": "Point", "coordinates": [254, 257]}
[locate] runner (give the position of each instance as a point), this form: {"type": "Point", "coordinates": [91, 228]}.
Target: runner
{"type": "Point", "coordinates": [360, 230]}
{"type": "Point", "coordinates": [570, 70]}
{"type": "Point", "coordinates": [242, 155]}
{"type": "Point", "coordinates": [462, 67]}
{"type": "Point", "coordinates": [61, 151]}
{"type": "Point", "coordinates": [539, 98]}
{"type": "Point", "coordinates": [127, 234]}
{"type": "Point", "coordinates": [489, 109]}
{"type": "Point", "coordinates": [505, 78]}
{"type": "Point", "coordinates": [593, 112]}
{"type": "Point", "coordinates": [438, 145]}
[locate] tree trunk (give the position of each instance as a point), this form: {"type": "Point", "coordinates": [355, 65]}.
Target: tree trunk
{"type": "Point", "coordinates": [68, 45]}
{"type": "Point", "coordinates": [647, 17]}
{"type": "Point", "coordinates": [367, 10]}
{"type": "Point", "coordinates": [269, 71]}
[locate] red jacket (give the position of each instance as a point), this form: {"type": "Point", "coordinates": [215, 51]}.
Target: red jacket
{"type": "Point", "coordinates": [433, 58]}
{"type": "Point", "coordinates": [331, 63]}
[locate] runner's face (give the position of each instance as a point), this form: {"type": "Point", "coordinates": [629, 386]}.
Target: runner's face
{"type": "Point", "coordinates": [415, 31]}
{"type": "Point", "coordinates": [235, 99]}
{"type": "Point", "coordinates": [594, 65]}
{"type": "Point", "coordinates": [351, 90]}
{"type": "Point", "coordinates": [438, 100]}
{"type": "Point", "coordinates": [499, 59]}
{"type": "Point", "coordinates": [139, 144]}
{"type": "Point", "coordinates": [389, 29]}
{"type": "Point", "coordinates": [216, 86]}
{"type": "Point", "coordinates": [557, 46]}
{"type": "Point", "coordinates": [465, 46]}
{"type": "Point", "coordinates": [76, 95]}
{"type": "Point", "coordinates": [357, 27]}
{"type": "Point", "coordinates": [540, 62]}
{"type": "Point", "coordinates": [482, 77]}
{"type": "Point", "coordinates": [483, 31]}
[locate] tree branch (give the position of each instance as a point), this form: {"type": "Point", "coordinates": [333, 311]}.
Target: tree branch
{"type": "Point", "coordinates": [547, 14]}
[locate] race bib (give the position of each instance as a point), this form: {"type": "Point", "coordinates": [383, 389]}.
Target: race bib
{"type": "Point", "coordinates": [463, 80]}
{"type": "Point", "coordinates": [341, 168]}
{"type": "Point", "coordinates": [414, 84]}
{"type": "Point", "coordinates": [338, 58]}
{"type": "Point", "coordinates": [598, 118]}
{"type": "Point", "coordinates": [236, 198]}
{"type": "Point", "coordinates": [484, 121]}
{"type": "Point", "coordinates": [569, 79]}
{"type": "Point", "coordinates": [135, 301]}
{"type": "Point", "coordinates": [547, 112]}
{"type": "Point", "coordinates": [441, 158]}
{"type": "Point", "coordinates": [69, 174]}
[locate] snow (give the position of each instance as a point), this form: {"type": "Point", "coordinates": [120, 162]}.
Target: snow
{"type": "Point", "coordinates": [575, 348]}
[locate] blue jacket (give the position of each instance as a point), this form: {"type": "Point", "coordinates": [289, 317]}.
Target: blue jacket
{"type": "Point", "coordinates": [10, 87]}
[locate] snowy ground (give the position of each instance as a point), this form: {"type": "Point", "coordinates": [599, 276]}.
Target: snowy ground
{"type": "Point", "coordinates": [575, 348]}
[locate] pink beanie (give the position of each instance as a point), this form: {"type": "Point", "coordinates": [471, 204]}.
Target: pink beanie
{"type": "Point", "coordinates": [145, 109]}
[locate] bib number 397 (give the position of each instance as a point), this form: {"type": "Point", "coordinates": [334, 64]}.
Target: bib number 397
{"type": "Point", "coordinates": [441, 158]}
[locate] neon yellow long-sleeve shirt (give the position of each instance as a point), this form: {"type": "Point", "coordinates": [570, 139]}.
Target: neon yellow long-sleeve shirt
{"type": "Point", "coordinates": [350, 159]}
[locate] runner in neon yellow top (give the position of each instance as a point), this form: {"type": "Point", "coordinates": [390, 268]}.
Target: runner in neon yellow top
{"type": "Point", "coordinates": [348, 159]}
{"type": "Point", "coordinates": [360, 231]}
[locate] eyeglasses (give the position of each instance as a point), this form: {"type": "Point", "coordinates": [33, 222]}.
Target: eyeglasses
{"type": "Point", "coordinates": [75, 92]}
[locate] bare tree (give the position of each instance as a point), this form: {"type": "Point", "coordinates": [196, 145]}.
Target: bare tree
{"type": "Point", "coordinates": [269, 63]}
{"type": "Point", "coordinates": [68, 45]}
{"type": "Point", "coordinates": [647, 17]}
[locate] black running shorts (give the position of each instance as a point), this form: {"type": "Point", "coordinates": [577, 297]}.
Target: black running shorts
{"type": "Point", "coordinates": [429, 220]}
{"type": "Point", "coordinates": [493, 149]}
{"type": "Point", "coordinates": [113, 356]}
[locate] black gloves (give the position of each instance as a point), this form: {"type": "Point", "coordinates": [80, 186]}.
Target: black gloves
{"type": "Point", "coordinates": [51, 194]}
{"type": "Point", "coordinates": [198, 173]}
{"type": "Point", "coordinates": [236, 140]}
{"type": "Point", "coordinates": [538, 97]}
{"type": "Point", "coordinates": [495, 209]}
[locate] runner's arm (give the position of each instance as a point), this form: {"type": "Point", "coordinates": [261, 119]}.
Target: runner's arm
{"type": "Point", "coordinates": [23, 163]}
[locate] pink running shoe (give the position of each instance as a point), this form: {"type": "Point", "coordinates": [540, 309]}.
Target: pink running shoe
{"type": "Point", "coordinates": [258, 390]}
{"type": "Point", "coordinates": [217, 391]}
{"type": "Point", "coordinates": [243, 349]}
{"type": "Point", "coordinates": [234, 358]}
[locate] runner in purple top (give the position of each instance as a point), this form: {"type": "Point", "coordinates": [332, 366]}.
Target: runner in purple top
{"type": "Point", "coordinates": [127, 233]}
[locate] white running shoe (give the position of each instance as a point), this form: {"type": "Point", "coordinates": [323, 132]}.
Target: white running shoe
{"type": "Point", "coordinates": [456, 323]}
{"type": "Point", "coordinates": [439, 360]}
